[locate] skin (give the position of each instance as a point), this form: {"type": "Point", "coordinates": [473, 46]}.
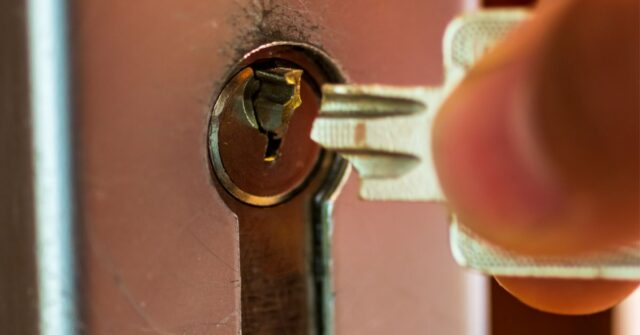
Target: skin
{"type": "Point", "coordinates": [570, 297]}
{"type": "Point", "coordinates": [538, 148]}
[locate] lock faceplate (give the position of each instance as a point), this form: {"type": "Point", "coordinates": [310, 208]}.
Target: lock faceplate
{"type": "Point", "coordinates": [283, 205]}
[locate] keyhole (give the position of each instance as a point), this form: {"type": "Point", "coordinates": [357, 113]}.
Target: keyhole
{"type": "Point", "coordinates": [275, 99]}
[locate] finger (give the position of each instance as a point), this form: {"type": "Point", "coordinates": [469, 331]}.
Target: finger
{"type": "Point", "coordinates": [537, 150]}
{"type": "Point", "coordinates": [571, 297]}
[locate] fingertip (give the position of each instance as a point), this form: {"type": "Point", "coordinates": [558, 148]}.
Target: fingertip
{"type": "Point", "coordinates": [568, 296]}
{"type": "Point", "coordinates": [490, 168]}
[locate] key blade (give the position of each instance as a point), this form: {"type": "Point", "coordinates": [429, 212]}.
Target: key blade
{"type": "Point", "coordinates": [383, 131]}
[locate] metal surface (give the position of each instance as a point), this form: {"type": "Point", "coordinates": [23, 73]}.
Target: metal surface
{"type": "Point", "coordinates": [54, 184]}
{"type": "Point", "coordinates": [277, 97]}
{"type": "Point", "coordinates": [384, 131]}
{"type": "Point", "coordinates": [284, 248]}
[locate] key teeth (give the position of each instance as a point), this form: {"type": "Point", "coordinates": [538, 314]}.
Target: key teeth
{"type": "Point", "coordinates": [277, 98]}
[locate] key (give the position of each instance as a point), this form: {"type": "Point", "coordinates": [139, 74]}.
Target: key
{"type": "Point", "coordinates": [385, 133]}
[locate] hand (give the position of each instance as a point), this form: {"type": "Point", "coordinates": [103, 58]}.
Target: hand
{"type": "Point", "coordinates": [538, 149]}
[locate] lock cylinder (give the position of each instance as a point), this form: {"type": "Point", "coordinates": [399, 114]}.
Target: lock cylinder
{"type": "Point", "coordinates": [279, 184]}
{"type": "Point", "coordinates": [259, 147]}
